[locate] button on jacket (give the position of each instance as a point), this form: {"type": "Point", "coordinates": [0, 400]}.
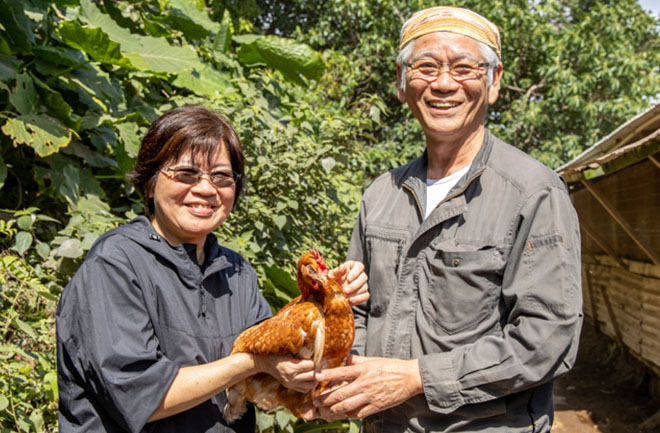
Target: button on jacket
{"type": "Point", "coordinates": [485, 292]}
{"type": "Point", "coordinates": [136, 311]}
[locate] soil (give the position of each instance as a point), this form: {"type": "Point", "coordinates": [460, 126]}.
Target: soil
{"type": "Point", "coordinates": [608, 391]}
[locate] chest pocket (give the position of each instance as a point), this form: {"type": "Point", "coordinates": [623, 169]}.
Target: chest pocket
{"type": "Point", "coordinates": [464, 284]}
{"type": "Point", "coordinates": [383, 254]}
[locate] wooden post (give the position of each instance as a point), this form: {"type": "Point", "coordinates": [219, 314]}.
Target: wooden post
{"type": "Point", "coordinates": [610, 311]}
{"type": "Point", "coordinates": [592, 297]}
{"type": "Point", "coordinates": [609, 251]}
{"type": "Point", "coordinates": [621, 221]}
{"type": "Point", "coordinates": [655, 161]}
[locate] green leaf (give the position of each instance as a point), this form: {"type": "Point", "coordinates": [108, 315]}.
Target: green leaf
{"type": "Point", "coordinates": [63, 56]}
{"type": "Point", "coordinates": [279, 220]}
{"type": "Point", "coordinates": [93, 41]}
{"type": "Point", "coordinates": [50, 380]}
{"type": "Point", "coordinates": [207, 82]}
{"type": "Point", "coordinates": [194, 23]}
{"type": "Point", "coordinates": [16, 25]}
{"type": "Point", "coordinates": [25, 328]}
{"type": "Point", "coordinates": [24, 97]}
{"type": "Point", "coordinates": [143, 52]}
{"type": "Point", "coordinates": [282, 280]}
{"type": "Point", "coordinates": [283, 418]}
{"type": "Point", "coordinates": [222, 41]}
{"type": "Point", "coordinates": [71, 248]}
{"type": "Point", "coordinates": [95, 88]}
{"type": "Point", "coordinates": [3, 172]}
{"type": "Point", "coordinates": [25, 222]}
{"type": "Point", "coordinates": [328, 164]}
{"type": "Point", "coordinates": [8, 67]}
{"type": "Point", "coordinates": [90, 157]}
{"type": "Point", "coordinates": [39, 131]}
{"type": "Point", "coordinates": [129, 135]}
{"type": "Point", "coordinates": [286, 55]}
{"type": "Point", "coordinates": [89, 240]}
{"type": "Point", "coordinates": [157, 55]}
{"type": "Point", "coordinates": [4, 402]}
{"type": "Point", "coordinates": [70, 188]}
{"type": "Point", "coordinates": [264, 421]}
{"type": "Point", "coordinates": [43, 249]}
{"type": "Point", "coordinates": [56, 103]}
{"type": "Point", "coordinates": [23, 242]}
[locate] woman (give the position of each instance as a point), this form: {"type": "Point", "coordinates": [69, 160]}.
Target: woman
{"type": "Point", "coordinates": [145, 326]}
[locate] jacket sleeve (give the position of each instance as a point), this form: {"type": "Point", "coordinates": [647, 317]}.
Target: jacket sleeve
{"type": "Point", "coordinates": [105, 329]}
{"type": "Point", "coordinates": [357, 252]}
{"type": "Point", "coordinates": [541, 291]}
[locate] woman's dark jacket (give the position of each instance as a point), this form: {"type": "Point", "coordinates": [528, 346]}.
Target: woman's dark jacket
{"type": "Point", "coordinates": [136, 311]}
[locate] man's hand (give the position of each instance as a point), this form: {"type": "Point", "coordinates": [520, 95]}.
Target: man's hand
{"type": "Point", "coordinates": [350, 275]}
{"type": "Point", "coordinates": [374, 384]}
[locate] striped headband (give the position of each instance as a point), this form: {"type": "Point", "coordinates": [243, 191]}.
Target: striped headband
{"type": "Point", "coordinates": [454, 20]}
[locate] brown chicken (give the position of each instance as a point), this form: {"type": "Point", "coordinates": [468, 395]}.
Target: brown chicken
{"type": "Point", "coordinates": [316, 325]}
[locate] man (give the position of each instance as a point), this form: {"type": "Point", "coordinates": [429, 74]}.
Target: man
{"type": "Point", "coordinates": [473, 257]}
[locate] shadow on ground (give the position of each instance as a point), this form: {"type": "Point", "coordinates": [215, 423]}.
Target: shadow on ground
{"type": "Point", "coordinates": [608, 390]}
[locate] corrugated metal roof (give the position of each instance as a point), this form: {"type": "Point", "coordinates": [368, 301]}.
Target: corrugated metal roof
{"type": "Point", "coordinates": [639, 132]}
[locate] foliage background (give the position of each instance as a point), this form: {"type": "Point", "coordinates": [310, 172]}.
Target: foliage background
{"type": "Point", "coordinates": [309, 86]}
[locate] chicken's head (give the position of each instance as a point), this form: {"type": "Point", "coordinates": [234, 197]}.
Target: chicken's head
{"type": "Point", "coordinates": [312, 273]}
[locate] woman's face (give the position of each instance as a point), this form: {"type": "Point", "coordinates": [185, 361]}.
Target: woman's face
{"type": "Point", "coordinates": [187, 213]}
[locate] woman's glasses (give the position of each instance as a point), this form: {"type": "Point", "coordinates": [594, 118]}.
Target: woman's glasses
{"type": "Point", "coordinates": [192, 176]}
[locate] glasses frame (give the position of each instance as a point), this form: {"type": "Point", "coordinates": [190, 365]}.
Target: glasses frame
{"type": "Point", "coordinates": [476, 71]}
{"type": "Point", "coordinates": [199, 175]}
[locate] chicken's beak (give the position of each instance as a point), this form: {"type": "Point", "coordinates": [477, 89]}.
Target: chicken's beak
{"type": "Point", "coordinates": [312, 276]}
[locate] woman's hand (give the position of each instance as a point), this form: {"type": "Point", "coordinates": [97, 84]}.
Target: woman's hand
{"type": "Point", "coordinates": [350, 275]}
{"type": "Point", "coordinates": [295, 374]}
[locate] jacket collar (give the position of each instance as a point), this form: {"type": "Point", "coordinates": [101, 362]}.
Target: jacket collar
{"type": "Point", "coordinates": [414, 179]}
{"type": "Point", "coordinates": [141, 231]}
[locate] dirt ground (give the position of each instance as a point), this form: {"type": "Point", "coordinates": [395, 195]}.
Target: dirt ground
{"type": "Point", "coordinates": [607, 391]}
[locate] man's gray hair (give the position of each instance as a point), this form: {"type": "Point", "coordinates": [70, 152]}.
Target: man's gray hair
{"type": "Point", "coordinates": [489, 55]}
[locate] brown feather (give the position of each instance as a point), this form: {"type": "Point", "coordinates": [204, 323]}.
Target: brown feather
{"type": "Point", "coordinates": [316, 325]}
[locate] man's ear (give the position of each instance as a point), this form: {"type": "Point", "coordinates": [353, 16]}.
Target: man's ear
{"type": "Point", "coordinates": [400, 93]}
{"type": "Point", "coordinates": [494, 88]}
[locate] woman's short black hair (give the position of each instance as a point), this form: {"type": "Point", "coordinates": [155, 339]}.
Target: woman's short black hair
{"type": "Point", "coordinates": [190, 128]}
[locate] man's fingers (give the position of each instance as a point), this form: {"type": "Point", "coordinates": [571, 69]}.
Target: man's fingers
{"type": "Point", "coordinates": [358, 299]}
{"type": "Point", "coordinates": [356, 268]}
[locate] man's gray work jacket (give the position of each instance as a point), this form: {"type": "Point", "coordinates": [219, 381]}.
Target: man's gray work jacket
{"type": "Point", "coordinates": [485, 292]}
{"type": "Point", "coordinates": [136, 311]}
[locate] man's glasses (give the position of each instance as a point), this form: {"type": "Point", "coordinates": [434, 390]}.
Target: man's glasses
{"type": "Point", "coordinates": [429, 69]}
{"type": "Point", "coordinates": [192, 176]}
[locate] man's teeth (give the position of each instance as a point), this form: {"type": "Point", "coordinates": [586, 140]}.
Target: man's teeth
{"type": "Point", "coordinates": [443, 104]}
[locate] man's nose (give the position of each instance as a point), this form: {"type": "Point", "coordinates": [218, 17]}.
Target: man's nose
{"type": "Point", "coordinates": [444, 81]}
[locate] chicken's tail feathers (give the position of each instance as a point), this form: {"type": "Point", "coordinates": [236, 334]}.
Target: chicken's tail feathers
{"type": "Point", "coordinates": [236, 402]}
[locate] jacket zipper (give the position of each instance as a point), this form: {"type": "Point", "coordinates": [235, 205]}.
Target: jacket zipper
{"type": "Point", "coordinates": [419, 206]}
{"type": "Point", "coordinates": [201, 312]}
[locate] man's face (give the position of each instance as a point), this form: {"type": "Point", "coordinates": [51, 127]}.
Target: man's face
{"type": "Point", "coordinates": [448, 109]}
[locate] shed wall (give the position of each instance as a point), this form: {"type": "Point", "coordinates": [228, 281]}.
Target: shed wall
{"type": "Point", "coordinates": [625, 304]}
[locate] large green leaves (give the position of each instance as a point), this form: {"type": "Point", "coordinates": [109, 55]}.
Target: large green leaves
{"type": "Point", "coordinates": [291, 58]}
{"type": "Point", "coordinates": [93, 41]}
{"type": "Point", "coordinates": [207, 82]}
{"type": "Point", "coordinates": [106, 42]}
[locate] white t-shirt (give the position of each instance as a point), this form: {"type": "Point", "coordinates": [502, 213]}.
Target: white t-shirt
{"type": "Point", "coordinates": [437, 189]}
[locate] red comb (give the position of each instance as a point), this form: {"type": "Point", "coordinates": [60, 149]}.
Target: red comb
{"type": "Point", "coordinates": [319, 260]}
